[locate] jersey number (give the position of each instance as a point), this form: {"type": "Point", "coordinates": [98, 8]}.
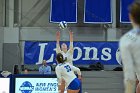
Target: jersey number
{"type": "Point", "coordinates": [68, 68]}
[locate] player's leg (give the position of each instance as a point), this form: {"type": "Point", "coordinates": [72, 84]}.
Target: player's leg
{"type": "Point", "coordinates": [62, 86]}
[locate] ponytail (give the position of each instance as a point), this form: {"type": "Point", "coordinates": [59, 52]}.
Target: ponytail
{"type": "Point", "coordinates": [60, 58]}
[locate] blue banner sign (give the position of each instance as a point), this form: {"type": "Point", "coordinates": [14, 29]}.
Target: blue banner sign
{"type": "Point", "coordinates": [97, 11]}
{"type": "Point", "coordinates": [63, 10]}
{"type": "Point", "coordinates": [84, 52]}
{"type": "Point", "coordinates": [124, 4]}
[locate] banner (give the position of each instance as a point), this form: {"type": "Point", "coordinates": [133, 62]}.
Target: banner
{"type": "Point", "coordinates": [63, 10]}
{"type": "Point", "coordinates": [36, 85]}
{"type": "Point", "coordinates": [124, 10]}
{"type": "Point", "coordinates": [97, 11]}
{"type": "Point", "coordinates": [84, 52]}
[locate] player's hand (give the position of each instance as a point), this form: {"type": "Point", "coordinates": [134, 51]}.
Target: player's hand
{"type": "Point", "coordinates": [71, 33]}
{"type": "Point", "coordinates": [71, 36]}
{"type": "Point", "coordinates": [58, 35]}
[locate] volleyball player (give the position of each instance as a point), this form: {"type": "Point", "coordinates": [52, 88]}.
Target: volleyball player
{"type": "Point", "coordinates": [64, 70]}
{"type": "Point", "coordinates": [67, 53]}
{"type": "Point", "coordinates": [130, 50]}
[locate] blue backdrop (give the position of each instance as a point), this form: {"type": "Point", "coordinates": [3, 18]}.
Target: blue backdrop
{"type": "Point", "coordinates": [63, 10]}
{"type": "Point", "coordinates": [97, 11]}
{"type": "Point", "coordinates": [84, 52]}
{"type": "Point", "coordinates": [124, 10]}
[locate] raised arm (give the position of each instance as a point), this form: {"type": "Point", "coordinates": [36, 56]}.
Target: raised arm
{"type": "Point", "coordinates": [71, 41]}
{"type": "Point", "coordinates": [58, 50]}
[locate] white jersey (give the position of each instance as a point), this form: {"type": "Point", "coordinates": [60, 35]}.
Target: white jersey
{"type": "Point", "coordinates": [66, 71]}
{"type": "Point", "coordinates": [68, 54]}
{"type": "Point", "coordinates": [130, 53]}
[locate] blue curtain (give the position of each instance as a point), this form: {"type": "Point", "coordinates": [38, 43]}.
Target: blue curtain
{"type": "Point", "coordinates": [63, 10]}
{"type": "Point", "coordinates": [97, 11]}
{"type": "Point", "coordinates": [124, 10]}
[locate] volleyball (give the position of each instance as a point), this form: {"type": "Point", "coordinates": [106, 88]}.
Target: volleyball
{"type": "Point", "coordinates": [63, 25]}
